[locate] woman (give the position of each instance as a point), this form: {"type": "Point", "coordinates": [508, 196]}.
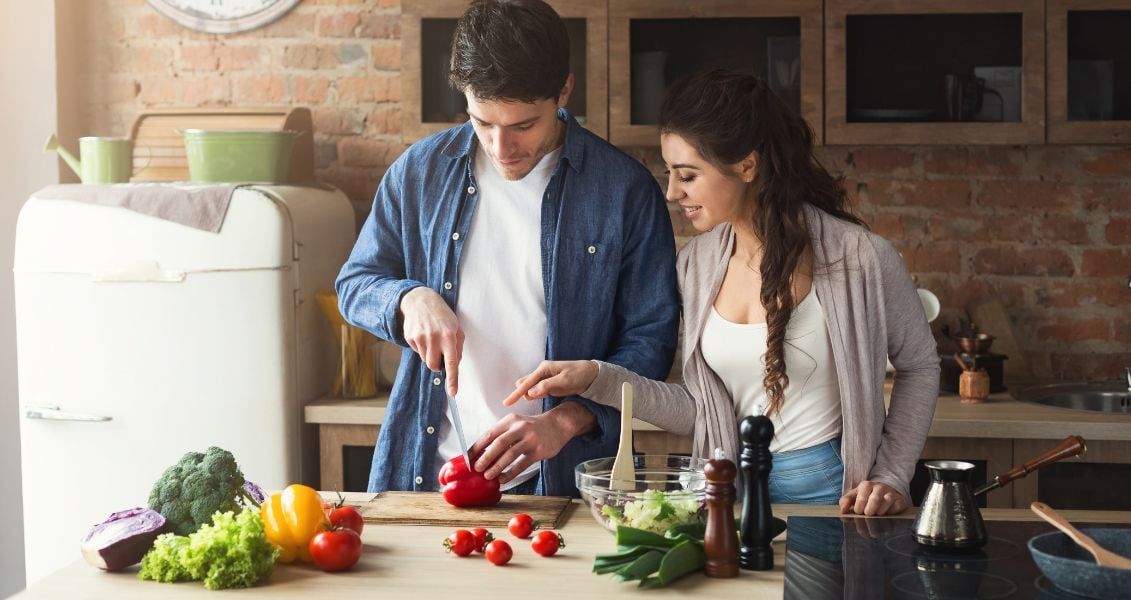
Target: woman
{"type": "Point", "coordinates": [791, 309]}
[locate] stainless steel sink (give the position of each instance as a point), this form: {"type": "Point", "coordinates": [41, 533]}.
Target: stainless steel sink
{"type": "Point", "coordinates": [1105, 396]}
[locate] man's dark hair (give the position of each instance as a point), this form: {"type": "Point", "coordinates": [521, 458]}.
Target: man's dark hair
{"type": "Point", "coordinates": [510, 50]}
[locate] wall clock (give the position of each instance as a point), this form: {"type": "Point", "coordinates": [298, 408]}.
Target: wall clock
{"type": "Point", "coordinates": [223, 16]}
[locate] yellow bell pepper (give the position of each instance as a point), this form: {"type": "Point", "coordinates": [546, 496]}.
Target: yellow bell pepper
{"type": "Point", "coordinates": [290, 520]}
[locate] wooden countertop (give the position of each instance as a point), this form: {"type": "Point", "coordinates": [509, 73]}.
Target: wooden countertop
{"type": "Point", "coordinates": [1001, 417]}
{"type": "Point", "coordinates": [402, 561]}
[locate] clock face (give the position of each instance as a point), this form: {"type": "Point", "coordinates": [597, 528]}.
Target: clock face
{"type": "Point", "coordinates": [223, 16]}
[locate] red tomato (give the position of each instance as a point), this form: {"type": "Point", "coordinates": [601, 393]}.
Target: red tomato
{"type": "Point", "coordinates": [547, 543]}
{"type": "Point", "coordinates": [521, 525]}
{"type": "Point", "coordinates": [348, 517]}
{"type": "Point", "coordinates": [335, 550]}
{"type": "Point", "coordinates": [482, 538]}
{"type": "Point", "coordinates": [499, 552]}
{"type": "Point", "coordinates": [461, 542]}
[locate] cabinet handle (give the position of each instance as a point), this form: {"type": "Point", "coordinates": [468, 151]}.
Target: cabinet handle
{"type": "Point", "coordinates": [52, 413]}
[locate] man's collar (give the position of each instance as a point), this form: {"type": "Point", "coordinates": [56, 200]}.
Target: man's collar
{"type": "Point", "coordinates": [463, 143]}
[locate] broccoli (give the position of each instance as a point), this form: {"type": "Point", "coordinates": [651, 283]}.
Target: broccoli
{"type": "Point", "coordinates": [200, 484]}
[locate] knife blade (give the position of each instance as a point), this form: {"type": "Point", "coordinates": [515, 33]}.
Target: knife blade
{"type": "Point", "coordinates": [459, 430]}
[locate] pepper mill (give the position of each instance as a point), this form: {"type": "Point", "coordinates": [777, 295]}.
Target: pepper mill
{"type": "Point", "coordinates": [755, 432]}
{"type": "Point", "coordinates": [720, 541]}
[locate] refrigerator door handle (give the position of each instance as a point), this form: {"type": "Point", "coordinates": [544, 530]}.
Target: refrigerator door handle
{"type": "Point", "coordinates": [52, 413]}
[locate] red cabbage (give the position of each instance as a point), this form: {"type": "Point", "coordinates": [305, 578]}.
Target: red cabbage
{"type": "Point", "coordinates": [257, 494]}
{"type": "Point", "coordinates": [122, 539]}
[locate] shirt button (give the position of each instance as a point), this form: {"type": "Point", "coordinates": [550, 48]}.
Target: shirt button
{"type": "Point", "coordinates": [419, 480]}
{"type": "Point", "coordinates": [447, 285]}
{"type": "Point", "coordinates": [455, 236]}
{"type": "Point", "coordinates": [430, 430]}
{"type": "Point", "coordinates": [436, 381]}
{"type": "Point", "coordinates": [471, 189]}
{"type": "Point", "coordinates": [592, 249]}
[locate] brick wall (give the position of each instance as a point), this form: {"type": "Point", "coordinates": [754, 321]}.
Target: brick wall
{"type": "Point", "coordinates": [1046, 229]}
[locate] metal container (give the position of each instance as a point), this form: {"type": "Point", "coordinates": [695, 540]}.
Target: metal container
{"type": "Point", "coordinates": [948, 517]}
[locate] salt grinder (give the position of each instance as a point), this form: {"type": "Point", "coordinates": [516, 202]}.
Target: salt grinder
{"type": "Point", "coordinates": [720, 541]}
{"type": "Point", "coordinates": [755, 434]}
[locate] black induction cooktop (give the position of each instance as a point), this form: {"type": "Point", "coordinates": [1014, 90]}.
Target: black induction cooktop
{"type": "Point", "coordinates": [830, 557]}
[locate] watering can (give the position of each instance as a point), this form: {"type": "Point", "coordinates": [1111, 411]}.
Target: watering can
{"type": "Point", "coordinates": [103, 159]}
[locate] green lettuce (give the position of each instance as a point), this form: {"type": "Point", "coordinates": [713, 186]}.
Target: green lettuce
{"type": "Point", "coordinates": [656, 511]}
{"type": "Point", "coordinates": [232, 552]}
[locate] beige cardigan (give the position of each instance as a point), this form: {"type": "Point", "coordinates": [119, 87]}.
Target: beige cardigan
{"type": "Point", "coordinates": [873, 313]}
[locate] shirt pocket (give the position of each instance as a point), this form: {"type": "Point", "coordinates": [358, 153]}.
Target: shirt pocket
{"type": "Point", "coordinates": [588, 270]}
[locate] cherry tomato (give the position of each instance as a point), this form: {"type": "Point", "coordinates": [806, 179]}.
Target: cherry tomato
{"type": "Point", "coordinates": [335, 550]}
{"type": "Point", "coordinates": [521, 525]}
{"type": "Point", "coordinates": [348, 517]}
{"type": "Point", "coordinates": [461, 542]}
{"type": "Point", "coordinates": [499, 552]}
{"type": "Point", "coordinates": [546, 543]}
{"type": "Point", "coordinates": [482, 538]}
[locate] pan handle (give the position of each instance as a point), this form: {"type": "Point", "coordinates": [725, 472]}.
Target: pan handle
{"type": "Point", "coordinates": [1072, 445]}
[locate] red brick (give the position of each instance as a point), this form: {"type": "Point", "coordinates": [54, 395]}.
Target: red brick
{"type": "Point", "coordinates": [147, 60]}
{"type": "Point", "coordinates": [979, 228]}
{"type": "Point", "coordinates": [969, 292]}
{"type": "Point", "coordinates": [337, 121]}
{"type": "Point", "coordinates": [937, 195]}
{"type": "Point", "coordinates": [965, 162]}
{"type": "Point", "coordinates": [1122, 332]}
{"type": "Point", "coordinates": [295, 24]}
{"type": "Point", "coordinates": [375, 88]}
{"type": "Point", "coordinates": [362, 152]}
{"type": "Point", "coordinates": [386, 119]}
{"type": "Point", "coordinates": [899, 228]}
{"type": "Point", "coordinates": [211, 90]}
{"type": "Point", "coordinates": [1107, 262]}
{"type": "Point", "coordinates": [931, 258]}
{"type": "Point", "coordinates": [836, 160]}
{"type": "Point", "coordinates": [310, 90]}
{"type": "Point", "coordinates": [1118, 231]}
{"type": "Point", "coordinates": [387, 56]}
{"type": "Point", "coordinates": [1080, 293]}
{"type": "Point", "coordinates": [1059, 163]}
{"type": "Point", "coordinates": [1107, 197]}
{"type": "Point", "coordinates": [1028, 261]}
{"type": "Point", "coordinates": [220, 58]}
{"type": "Point", "coordinates": [381, 27]}
{"type": "Point", "coordinates": [311, 56]}
{"type": "Point", "coordinates": [1062, 228]}
{"type": "Point", "coordinates": [1076, 331]}
{"type": "Point", "coordinates": [1110, 164]}
{"type": "Point", "coordinates": [1090, 365]}
{"type": "Point", "coordinates": [1026, 195]}
{"type": "Point", "coordinates": [883, 161]}
{"type": "Point", "coordinates": [337, 24]}
{"type": "Point", "coordinates": [261, 89]}
{"type": "Point", "coordinates": [153, 26]}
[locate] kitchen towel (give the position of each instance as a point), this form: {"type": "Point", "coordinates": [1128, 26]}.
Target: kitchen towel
{"type": "Point", "coordinates": [200, 206]}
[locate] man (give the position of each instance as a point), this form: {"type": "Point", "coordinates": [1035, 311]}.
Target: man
{"type": "Point", "coordinates": [516, 237]}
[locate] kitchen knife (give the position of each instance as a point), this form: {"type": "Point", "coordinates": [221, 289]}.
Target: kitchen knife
{"type": "Point", "coordinates": [459, 430]}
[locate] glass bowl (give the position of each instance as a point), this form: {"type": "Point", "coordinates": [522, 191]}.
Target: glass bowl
{"type": "Point", "coordinates": [668, 491]}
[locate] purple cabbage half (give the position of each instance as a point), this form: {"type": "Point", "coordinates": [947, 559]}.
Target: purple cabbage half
{"type": "Point", "coordinates": [258, 496]}
{"type": "Point", "coordinates": [122, 539]}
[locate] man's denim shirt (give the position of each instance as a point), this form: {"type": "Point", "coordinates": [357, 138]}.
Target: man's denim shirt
{"type": "Point", "coordinates": [608, 270]}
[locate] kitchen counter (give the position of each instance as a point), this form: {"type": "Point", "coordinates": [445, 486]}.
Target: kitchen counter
{"type": "Point", "coordinates": [402, 561]}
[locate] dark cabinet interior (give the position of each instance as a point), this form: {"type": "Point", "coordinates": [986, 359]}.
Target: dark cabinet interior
{"type": "Point", "coordinates": [1099, 65]}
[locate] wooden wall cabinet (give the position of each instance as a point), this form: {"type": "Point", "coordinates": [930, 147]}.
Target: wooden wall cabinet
{"type": "Point", "coordinates": [1089, 75]}
{"type": "Point", "coordinates": [430, 106]}
{"type": "Point", "coordinates": [888, 61]}
{"type": "Point", "coordinates": [665, 39]}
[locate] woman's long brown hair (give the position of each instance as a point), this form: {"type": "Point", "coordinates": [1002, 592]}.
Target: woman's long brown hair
{"type": "Point", "coordinates": [726, 115]}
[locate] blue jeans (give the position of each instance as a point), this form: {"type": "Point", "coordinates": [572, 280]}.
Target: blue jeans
{"type": "Point", "coordinates": [812, 475]}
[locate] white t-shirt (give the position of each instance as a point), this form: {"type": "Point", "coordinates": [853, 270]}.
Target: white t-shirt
{"type": "Point", "coordinates": [810, 411]}
{"type": "Point", "coordinates": [502, 305]}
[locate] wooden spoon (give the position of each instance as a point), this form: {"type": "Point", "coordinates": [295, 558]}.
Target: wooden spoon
{"type": "Point", "coordinates": [624, 473]}
{"type": "Point", "coordinates": [1104, 557]}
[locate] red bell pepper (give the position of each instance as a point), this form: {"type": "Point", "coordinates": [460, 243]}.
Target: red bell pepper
{"type": "Point", "coordinates": [463, 487]}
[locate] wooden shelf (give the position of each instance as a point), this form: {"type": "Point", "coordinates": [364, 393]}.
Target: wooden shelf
{"type": "Point", "coordinates": [840, 129]}
{"type": "Point", "coordinates": [622, 13]}
{"type": "Point", "coordinates": [1061, 130]}
{"type": "Point", "coordinates": [593, 54]}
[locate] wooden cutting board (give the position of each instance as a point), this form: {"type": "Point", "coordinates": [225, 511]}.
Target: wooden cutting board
{"type": "Point", "coordinates": [429, 508]}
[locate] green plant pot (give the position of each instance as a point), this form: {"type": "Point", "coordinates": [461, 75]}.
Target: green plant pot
{"type": "Point", "coordinates": [238, 156]}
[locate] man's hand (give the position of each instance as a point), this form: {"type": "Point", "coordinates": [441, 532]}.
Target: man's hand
{"type": "Point", "coordinates": [432, 331]}
{"type": "Point", "coordinates": [554, 378]}
{"type": "Point", "coordinates": [873, 499]}
{"type": "Point", "coordinates": [518, 441]}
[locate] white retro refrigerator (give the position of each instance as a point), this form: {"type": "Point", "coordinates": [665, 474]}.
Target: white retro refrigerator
{"type": "Point", "coordinates": [139, 339]}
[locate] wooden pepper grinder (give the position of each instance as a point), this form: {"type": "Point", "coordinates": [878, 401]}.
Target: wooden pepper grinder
{"type": "Point", "coordinates": [720, 541]}
{"type": "Point", "coordinates": [755, 434]}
